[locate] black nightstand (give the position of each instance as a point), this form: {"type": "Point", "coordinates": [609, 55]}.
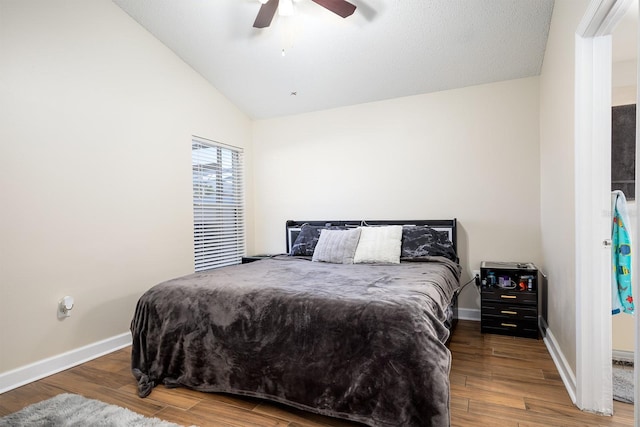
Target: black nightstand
{"type": "Point", "coordinates": [509, 299]}
{"type": "Point", "coordinates": [252, 258]}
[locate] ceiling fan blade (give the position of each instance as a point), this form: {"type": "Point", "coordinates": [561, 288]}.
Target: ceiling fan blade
{"type": "Point", "coordinates": [265, 14]}
{"type": "Point", "coordinates": [339, 7]}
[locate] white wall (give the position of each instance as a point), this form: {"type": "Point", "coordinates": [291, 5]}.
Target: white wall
{"type": "Point", "coordinates": [623, 75]}
{"type": "Point", "coordinates": [557, 168]}
{"type": "Point", "coordinates": [469, 153]}
{"type": "Point", "coordinates": [96, 118]}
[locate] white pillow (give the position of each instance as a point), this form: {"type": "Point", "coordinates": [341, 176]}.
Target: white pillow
{"type": "Point", "coordinates": [379, 244]}
{"type": "Point", "coordinates": [336, 246]}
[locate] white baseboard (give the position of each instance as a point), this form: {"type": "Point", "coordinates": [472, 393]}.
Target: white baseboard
{"type": "Point", "coordinates": [567, 375]}
{"type": "Point", "coordinates": [623, 355]}
{"type": "Point", "coordinates": [469, 314]}
{"type": "Point", "coordinates": [43, 368]}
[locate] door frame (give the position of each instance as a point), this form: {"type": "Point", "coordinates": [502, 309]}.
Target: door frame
{"type": "Point", "coordinates": [593, 65]}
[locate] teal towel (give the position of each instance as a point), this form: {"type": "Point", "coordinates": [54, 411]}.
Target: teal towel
{"type": "Point", "coordinates": [621, 291]}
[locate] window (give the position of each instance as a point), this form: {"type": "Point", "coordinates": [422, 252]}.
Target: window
{"type": "Point", "coordinates": [218, 207]}
{"type": "Point", "coordinates": [623, 149]}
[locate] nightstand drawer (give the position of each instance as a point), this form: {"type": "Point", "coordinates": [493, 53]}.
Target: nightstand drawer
{"type": "Point", "coordinates": [509, 296]}
{"type": "Point", "coordinates": [509, 311]}
{"type": "Point", "coordinates": [497, 325]}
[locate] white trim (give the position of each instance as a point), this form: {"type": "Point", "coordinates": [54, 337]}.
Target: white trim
{"type": "Point", "coordinates": [564, 369]}
{"type": "Point", "coordinates": [43, 368]}
{"type": "Point", "coordinates": [622, 355]}
{"type": "Point", "coordinates": [593, 224]}
{"type": "Point", "coordinates": [636, 260]}
{"type": "Point", "coordinates": [593, 385]}
{"type": "Point", "coordinates": [602, 16]}
{"type": "Point", "coordinates": [469, 314]}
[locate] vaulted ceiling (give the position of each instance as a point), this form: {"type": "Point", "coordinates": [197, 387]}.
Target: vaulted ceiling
{"type": "Point", "coordinates": [316, 60]}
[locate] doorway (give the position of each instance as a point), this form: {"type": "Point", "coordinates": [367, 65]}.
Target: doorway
{"type": "Point", "coordinates": [623, 101]}
{"type": "Point", "coordinates": [593, 174]}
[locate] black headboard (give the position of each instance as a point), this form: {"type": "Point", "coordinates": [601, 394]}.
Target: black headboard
{"type": "Point", "coordinates": [449, 225]}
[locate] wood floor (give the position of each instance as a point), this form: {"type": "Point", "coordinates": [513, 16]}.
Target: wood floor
{"type": "Point", "coordinates": [495, 381]}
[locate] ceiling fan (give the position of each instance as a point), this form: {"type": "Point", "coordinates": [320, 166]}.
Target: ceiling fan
{"type": "Point", "coordinates": [268, 10]}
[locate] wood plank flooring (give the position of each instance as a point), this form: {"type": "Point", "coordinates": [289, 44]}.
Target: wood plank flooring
{"type": "Point", "coordinates": [495, 381]}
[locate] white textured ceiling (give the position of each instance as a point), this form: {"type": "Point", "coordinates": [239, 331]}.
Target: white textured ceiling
{"type": "Point", "coordinates": [386, 49]}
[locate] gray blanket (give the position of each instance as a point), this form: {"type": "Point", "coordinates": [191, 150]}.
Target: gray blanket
{"type": "Point", "coordinates": [360, 342]}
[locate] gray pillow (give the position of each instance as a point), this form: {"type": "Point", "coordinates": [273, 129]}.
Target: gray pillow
{"type": "Point", "coordinates": [337, 246]}
{"type": "Point", "coordinates": [307, 239]}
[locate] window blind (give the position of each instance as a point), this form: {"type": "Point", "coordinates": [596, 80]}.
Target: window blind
{"type": "Point", "coordinates": [218, 204]}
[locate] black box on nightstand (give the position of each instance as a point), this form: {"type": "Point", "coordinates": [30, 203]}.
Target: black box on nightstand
{"type": "Point", "coordinates": [251, 258]}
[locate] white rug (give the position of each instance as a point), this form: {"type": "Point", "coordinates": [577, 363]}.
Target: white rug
{"type": "Point", "coordinates": [72, 410]}
{"type": "Point", "coordinates": [622, 383]}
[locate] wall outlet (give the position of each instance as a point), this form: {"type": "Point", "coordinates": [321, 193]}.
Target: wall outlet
{"type": "Point", "coordinates": [475, 274]}
{"type": "Point", "coordinates": [64, 307]}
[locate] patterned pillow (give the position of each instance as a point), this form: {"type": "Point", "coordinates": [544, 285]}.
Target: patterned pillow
{"type": "Point", "coordinates": [421, 241]}
{"type": "Point", "coordinates": [307, 239]}
{"type": "Point", "coordinates": [337, 246]}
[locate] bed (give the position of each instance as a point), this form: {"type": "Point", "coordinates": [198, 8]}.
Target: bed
{"type": "Point", "coordinates": [361, 341]}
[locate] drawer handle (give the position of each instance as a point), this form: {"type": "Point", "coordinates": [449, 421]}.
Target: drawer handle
{"type": "Point", "coordinates": [508, 296]}
{"type": "Point", "coordinates": [508, 312]}
{"type": "Point", "coordinates": [511, 325]}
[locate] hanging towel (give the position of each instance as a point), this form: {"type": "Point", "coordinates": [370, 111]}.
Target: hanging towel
{"type": "Point", "coordinates": [621, 296]}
